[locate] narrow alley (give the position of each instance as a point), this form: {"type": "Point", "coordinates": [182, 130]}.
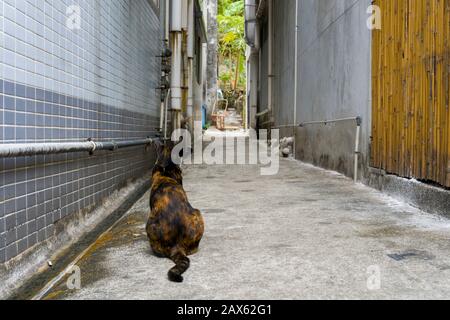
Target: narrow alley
{"type": "Point", "coordinates": [312, 136]}
{"type": "Point", "coordinates": [318, 236]}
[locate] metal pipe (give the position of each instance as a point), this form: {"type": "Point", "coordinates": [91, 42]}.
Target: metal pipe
{"type": "Point", "coordinates": [161, 116]}
{"type": "Point", "coordinates": [167, 20]}
{"type": "Point", "coordinates": [176, 71]}
{"type": "Point", "coordinates": [356, 161]}
{"type": "Point", "coordinates": [296, 69]}
{"type": "Point", "coordinates": [190, 55]}
{"type": "Point", "coordinates": [191, 29]}
{"type": "Point", "coordinates": [270, 75]}
{"type": "Point", "coordinates": [176, 47]}
{"type": "Point", "coordinates": [33, 149]}
{"type": "Point", "coordinates": [176, 18]}
{"type": "Point", "coordinates": [166, 12]}
{"type": "Point", "coordinates": [262, 113]}
{"type": "Point", "coordinates": [286, 126]}
{"type": "Point", "coordinates": [357, 119]}
{"type": "Point", "coordinates": [190, 98]}
{"type": "Point", "coordinates": [163, 113]}
{"type": "Point", "coordinates": [250, 22]}
{"type": "Point", "coordinates": [184, 15]}
{"type": "Point", "coordinates": [166, 112]}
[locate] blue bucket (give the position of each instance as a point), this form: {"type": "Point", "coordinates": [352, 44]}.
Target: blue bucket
{"type": "Point", "coordinates": [203, 116]}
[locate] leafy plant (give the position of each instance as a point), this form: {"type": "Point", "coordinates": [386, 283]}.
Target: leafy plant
{"type": "Point", "coordinates": [231, 44]}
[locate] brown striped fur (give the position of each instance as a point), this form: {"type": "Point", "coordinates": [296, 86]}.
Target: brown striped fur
{"type": "Point", "coordinates": [174, 228]}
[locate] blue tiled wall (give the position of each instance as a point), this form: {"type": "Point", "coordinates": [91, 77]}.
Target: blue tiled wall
{"type": "Point", "coordinates": [62, 84]}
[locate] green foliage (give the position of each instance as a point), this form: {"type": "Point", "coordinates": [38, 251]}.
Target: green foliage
{"type": "Point", "coordinates": [231, 7]}
{"type": "Point", "coordinates": [231, 42]}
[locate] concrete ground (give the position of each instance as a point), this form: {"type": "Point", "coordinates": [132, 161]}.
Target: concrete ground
{"type": "Point", "coordinates": [305, 233]}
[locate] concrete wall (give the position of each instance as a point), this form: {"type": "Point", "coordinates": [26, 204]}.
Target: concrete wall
{"type": "Point", "coordinates": [284, 61]}
{"type": "Point", "coordinates": [61, 84]}
{"type": "Point", "coordinates": [334, 65]}
{"type": "Point", "coordinates": [334, 81]}
{"type": "Point", "coordinates": [283, 64]}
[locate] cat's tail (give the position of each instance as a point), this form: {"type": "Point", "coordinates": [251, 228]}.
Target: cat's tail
{"type": "Point", "coordinates": [181, 265]}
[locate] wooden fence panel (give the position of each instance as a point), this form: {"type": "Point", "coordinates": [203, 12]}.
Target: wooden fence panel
{"type": "Point", "coordinates": [411, 88]}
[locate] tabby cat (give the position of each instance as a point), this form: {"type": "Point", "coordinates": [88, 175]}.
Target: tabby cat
{"type": "Point", "coordinates": [174, 228]}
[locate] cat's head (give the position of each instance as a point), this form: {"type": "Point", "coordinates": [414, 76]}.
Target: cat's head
{"type": "Point", "coordinates": [164, 153]}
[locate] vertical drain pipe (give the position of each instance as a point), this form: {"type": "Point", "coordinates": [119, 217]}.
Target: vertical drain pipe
{"type": "Point", "coordinates": [252, 40]}
{"type": "Point", "coordinates": [270, 63]}
{"type": "Point", "coordinates": [161, 112]}
{"type": "Point", "coordinates": [296, 74]}
{"type": "Point", "coordinates": [176, 46]}
{"type": "Point", "coordinates": [190, 54]}
{"type": "Point", "coordinates": [161, 109]}
{"type": "Point", "coordinates": [184, 15]}
{"type": "Point", "coordinates": [358, 132]}
{"type": "Point", "coordinates": [167, 21]}
{"type": "Point", "coordinates": [162, 115]}
{"type": "Point", "coordinates": [166, 114]}
{"type": "Point", "coordinates": [165, 103]}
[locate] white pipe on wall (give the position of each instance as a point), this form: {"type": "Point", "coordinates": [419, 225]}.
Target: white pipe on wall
{"type": "Point", "coordinates": [176, 80]}
{"type": "Point", "coordinates": [176, 44]}
{"type": "Point", "coordinates": [32, 149]}
{"type": "Point", "coordinates": [190, 100]}
{"type": "Point", "coordinates": [161, 117]}
{"type": "Point", "coordinates": [176, 12]}
{"type": "Point", "coordinates": [166, 114]}
{"type": "Point", "coordinates": [270, 59]}
{"type": "Point", "coordinates": [296, 71]}
{"type": "Point", "coordinates": [190, 54]}
{"type": "Point", "coordinates": [356, 163]}
{"type": "Point", "coordinates": [167, 20]}
{"type": "Point", "coordinates": [191, 29]}
{"type": "Point", "coordinates": [184, 14]}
